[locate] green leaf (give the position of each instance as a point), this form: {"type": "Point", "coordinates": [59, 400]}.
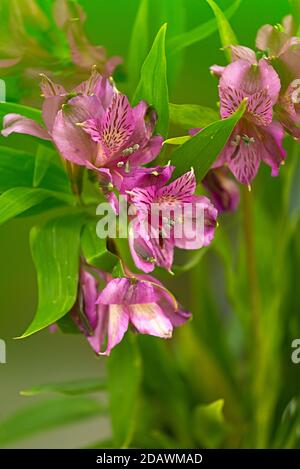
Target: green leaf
{"type": "Point", "coordinates": [17, 169]}
{"type": "Point", "coordinates": [46, 415]}
{"type": "Point", "coordinates": [177, 140]}
{"type": "Point", "coordinates": [95, 249]}
{"type": "Point", "coordinates": [209, 423]}
{"type": "Point", "coordinates": [43, 157]}
{"type": "Point", "coordinates": [199, 33]}
{"type": "Point", "coordinates": [16, 201]}
{"type": "Point", "coordinates": [192, 115]}
{"type": "Point", "coordinates": [124, 376]}
{"type": "Point", "coordinates": [55, 251]}
{"type": "Point", "coordinates": [153, 86]}
{"type": "Point", "coordinates": [288, 431]}
{"type": "Point", "coordinates": [227, 35]}
{"type": "Point", "coordinates": [138, 44]}
{"type": "Point", "coordinates": [202, 149]}
{"type": "Point", "coordinates": [30, 112]}
{"type": "Point", "coordinates": [70, 388]}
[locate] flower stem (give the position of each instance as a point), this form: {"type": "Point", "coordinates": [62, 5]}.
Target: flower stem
{"type": "Point", "coordinates": [254, 302]}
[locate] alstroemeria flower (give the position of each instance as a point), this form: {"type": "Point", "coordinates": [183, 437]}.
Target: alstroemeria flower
{"type": "Point", "coordinates": [106, 306]}
{"type": "Point", "coordinates": [256, 137]}
{"type": "Point", "coordinates": [94, 126]}
{"type": "Point", "coordinates": [223, 191]}
{"type": "Point", "coordinates": [282, 46]}
{"type": "Point", "coordinates": [167, 216]}
{"type": "Point", "coordinates": [141, 301]}
{"type": "Point", "coordinates": [69, 56]}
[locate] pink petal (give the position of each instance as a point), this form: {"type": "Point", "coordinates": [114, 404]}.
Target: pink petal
{"type": "Point", "coordinates": [127, 291]}
{"type": "Point", "coordinates": [23, 125]}
{"type": "Point", "coordinates": [260, 108]}
{"type": "Point", "coordinates": [199, 224]}
{"type": "Point", "coordinates": [179, 190]}
{"type": "Point", "coordinates": [150, 319]}
{"type": "Point", "coordinates": [118, 322]}
{"type": "Point", "coordinates": [72, 142]}
{"type": "Point", "coordinates": [141, 249]}
{"type": "Point", "coordinates": [274, 152]}
{"type": "Point", "coordinates": [217, 70]}
{"type": "Point", "coordinates": [270, 39]}
{"type": "Point", "coordinates": [244, 160]}
{"type": "Point", "coordinates": [243, 53]}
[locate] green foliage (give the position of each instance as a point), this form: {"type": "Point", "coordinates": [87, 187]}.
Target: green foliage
{"type": "Point", "coordinates": [43, 416]}
{"type": "Point", "coordinates": [199, 33]}
{"type": "Point", "coordinates": [18, 200]}
{"type": "Point", "coordinates": [209, 424]}
{"type": "Point", "coordinates": [192, 115]}
{"type": "Point", "coordinates": [95, 250]}
{"type": "Point", "coordinates": [138, 47]}
{"type": "Point", "coordinates": [124, 380]}
{"type": "Point", "coordinates": [57, 271]}
{"type": "Point", "coordinates": [153, 86]}
{"type": "Point", "coordinates": [68, 388]}
{"type": "Point", "coordinates": [227, 35]}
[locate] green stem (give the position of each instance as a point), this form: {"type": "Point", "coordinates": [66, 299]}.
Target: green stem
{"type": "Point", "coordinates": [254, 301]}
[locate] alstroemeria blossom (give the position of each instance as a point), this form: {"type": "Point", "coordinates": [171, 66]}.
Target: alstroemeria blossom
{"type": "Point", "coordinates": [167, 216]}
{"type": "Point", "coordinates": [256, 137]}
{"type": "Point", "coordinates": [141, 301]}
{"type": "Point", "coordinates": [104, 315]}
{"type": "Point", "coordinates": [95, 126]}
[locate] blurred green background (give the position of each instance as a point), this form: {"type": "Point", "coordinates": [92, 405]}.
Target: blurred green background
{"type": "Point", "coordinates": [52, 357]}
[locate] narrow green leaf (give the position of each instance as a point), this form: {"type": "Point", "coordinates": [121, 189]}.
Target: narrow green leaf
{"type": "Point", "coordinates": [46, 415]}
{"type": "Point", "coordinates": [43, 158]}
{"type": "Point", "coordinates": [95, 249]}
{"type": "Point", "coordinates": [192, 115]}
{"type": "Point", "coordinates": [209, 423]}
{"type": "Point", "coordinates": [70, 388]}
{"type": "Point", "coordinates": [55, 251]}
{"type": "Point", "coordinates": [124, 375]}
{"type": "Point", "coordinates": [177, 140]}
{"type": "Point", "coordinates": [201, 150]}
{"type": "Point", "coordinates": [199, 33]}
{"type": "Point", "coordinates": [16, 201]}
{"type": "Point", "coordinates": [30, 112]}
{"type": "Point", "coordinates": [138, 44]}
{"type": "Point", "coordinates": [227, 35]}
{"type": "Point", "coordinates": [17, 169]}
{"type": "Point", "coordinates": [153, 86]}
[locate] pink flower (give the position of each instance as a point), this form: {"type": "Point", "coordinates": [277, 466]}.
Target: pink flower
{"type": "Point", "coordinates": [168, 216]}
{"type": "Point", "coordinates": [94, 126]}
{"type": "Point", "coordinates": [256, 137]}
{"type": "Point", "coordinates": [139, 300]}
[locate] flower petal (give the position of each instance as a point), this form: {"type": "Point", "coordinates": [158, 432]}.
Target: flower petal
{"type": "Point", "coordinates": [273, 153]}
{"type": "Point", "coordinates": [22, 125]}
{"type": "Point", "coordinates": [118, 322]}
{"type": "Point", "coordinates": [150, 319]}
{"type": "Point", "coordinates": [179, 190]}
{"type": "Point", "coordinates": [127, 291]}
{"type": "Point", "coordinates": [72, 142]}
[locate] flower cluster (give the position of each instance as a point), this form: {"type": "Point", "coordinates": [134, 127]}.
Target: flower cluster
{"type": "Point", "coordinates": [269, 80]}
{"type": "Point", "coordinates": [94, 126]}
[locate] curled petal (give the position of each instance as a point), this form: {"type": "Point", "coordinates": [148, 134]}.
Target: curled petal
{"type": "Point", "coordinates": [22, 125]}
